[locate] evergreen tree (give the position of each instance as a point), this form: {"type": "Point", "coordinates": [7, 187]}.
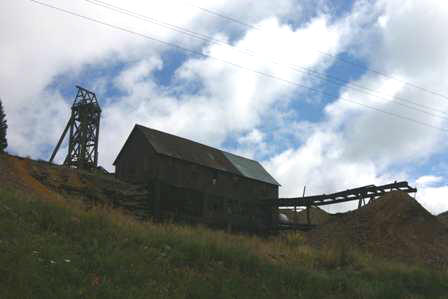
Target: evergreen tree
{"type": "Point", "coordinates": [3, 128]}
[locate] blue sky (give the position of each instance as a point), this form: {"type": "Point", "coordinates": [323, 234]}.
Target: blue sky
{"type": "Point", "coordinates": [319, 139]}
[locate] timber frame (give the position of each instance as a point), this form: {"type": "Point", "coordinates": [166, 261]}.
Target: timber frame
{"type": "Point", "coordinates": [360, 194]}
{"type": "Point", "coordinates": [84, 125]}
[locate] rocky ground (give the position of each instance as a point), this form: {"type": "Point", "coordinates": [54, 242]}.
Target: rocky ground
{"type": "Point", "coordinates": [50, 181]}
{"type": "Point", "coordinates": [395, 225]}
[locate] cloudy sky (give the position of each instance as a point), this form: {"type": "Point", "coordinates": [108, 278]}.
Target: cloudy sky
{"type": "Point", "coordinates": [327, 94]}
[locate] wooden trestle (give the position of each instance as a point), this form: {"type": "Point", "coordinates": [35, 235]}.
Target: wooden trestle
{"type": "Point", "coordinates": [360, 194]}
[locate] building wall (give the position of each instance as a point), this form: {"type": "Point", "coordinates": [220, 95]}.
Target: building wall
{"type": "Point", "coordinates": [190, 189]}
{"type": "Point", "coordinates": [136, 163]}
{"type": "Point", "coordinates": [185, 174]}
{"type": "Point", "coordinates": [227, 198]}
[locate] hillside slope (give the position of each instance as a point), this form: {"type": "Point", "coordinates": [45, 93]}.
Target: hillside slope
{"type": "Point", "coordinates": [49, 181]}
{"type": "Point", "coordinates": [56, 245]}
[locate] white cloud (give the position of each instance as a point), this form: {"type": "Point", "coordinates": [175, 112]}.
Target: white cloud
{"type": "Point", "coordinates": [350, 146]}
{"type": "Point", "coordinates": [355, 146]}
{"type": "Point", "coordinates": [428, 180]}
{"type": "Point", "coordinates": [253, 137]}
{"type": "Point", "coordinates": [229, 101]}
{"type": "Point", "coordinates": [434, 199]}
{"type": "Point", "coordinates": [43, 43]}
{"type": "Point", "coordinates": [139, 72]}
{"type": "Point", "coordinates": [432, 193]}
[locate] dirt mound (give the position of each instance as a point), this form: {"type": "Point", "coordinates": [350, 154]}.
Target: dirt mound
{"type": "Point", "coordinates": [317, 215]}
{"type": "Point", "coordinates": [395, 225]}
{"type": "Point", "coordinates": [15, 172]}
{"type": "Point", "coordinates": [54, 182]}
{"type": "Point", "coordinates": [443, 217]}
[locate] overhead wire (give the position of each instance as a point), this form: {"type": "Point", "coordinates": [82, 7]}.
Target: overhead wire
{"type": "Point", "coordinates": [347, 61]}
{"type": "Point", "coordinates": [329, 78]}
{"type": "Point", "coordinates": [231, 63]}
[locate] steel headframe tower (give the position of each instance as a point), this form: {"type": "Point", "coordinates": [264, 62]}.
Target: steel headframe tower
{"type": "Point", "coordinates": [84, 125]}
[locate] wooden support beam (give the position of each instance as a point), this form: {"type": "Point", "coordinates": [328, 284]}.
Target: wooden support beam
{"type": "Point", "coordinates": [56, 149]}
{"type": "Point", "coordinates": [307, 207]}
{"type": "Point", "coordinates": [308, 220]}
{"type": "Point", "coordinates": [204, 205]}
{"type": "Point", "coordinates": [344, 196]}
{"type": "Point", "coordinates": [156, 203]}
{"type": "Point", "coordinates": [295, 214]}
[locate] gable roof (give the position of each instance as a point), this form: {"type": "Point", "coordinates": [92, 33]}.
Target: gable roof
{"type": "Point", "coordinates": [188, 150]}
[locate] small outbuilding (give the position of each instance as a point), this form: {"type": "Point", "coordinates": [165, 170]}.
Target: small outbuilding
{"type": "Point", "coordinates": [198, 182]}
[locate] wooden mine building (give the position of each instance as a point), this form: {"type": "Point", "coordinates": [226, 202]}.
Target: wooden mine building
{"type": "Point", "coordinates": [197, 182]}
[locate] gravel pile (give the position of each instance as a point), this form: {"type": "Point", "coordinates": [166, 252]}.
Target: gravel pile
{"type": "Point", "coordinates": [395, 225]}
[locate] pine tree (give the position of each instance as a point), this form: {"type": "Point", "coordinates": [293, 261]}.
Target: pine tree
{"type": "Point", "coordinates": [3, 128]}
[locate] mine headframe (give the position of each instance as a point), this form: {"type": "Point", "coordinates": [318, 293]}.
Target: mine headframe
{"type": "Point", "coordinates": [84, 125]}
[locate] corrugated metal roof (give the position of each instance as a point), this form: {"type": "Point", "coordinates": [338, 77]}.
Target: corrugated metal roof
{"type": "Point", "coordinates": [181, 148]}
{"type": "Point", "coordinates": [251, 168]}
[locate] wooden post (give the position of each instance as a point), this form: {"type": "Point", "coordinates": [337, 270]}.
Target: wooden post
{"type": "Point", "coordinates": [308, 220]}
{"type": "Point", "coordinates": [308, 214]}
{"type": "Point", "coordinates": [97, 136]}
{"type": "Point", "coordinates": [61, 139]}
{"type": "Point", "coordinates": [362, 200]}
{"type": "Point", "coordinates": [156, 205]}
{"type": "Point", "coordinates": [295, 214]}
{"type": "Point", "coordinates": [229, 216]}
{"type": "Point", "coordinates": [204, 205]}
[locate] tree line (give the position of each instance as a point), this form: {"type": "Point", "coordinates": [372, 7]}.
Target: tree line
{"type": "Point", "coordinates": [3, 129]}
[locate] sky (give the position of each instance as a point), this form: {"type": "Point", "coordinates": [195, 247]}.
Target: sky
{"type": "Point", "coordinates": [325, 94]}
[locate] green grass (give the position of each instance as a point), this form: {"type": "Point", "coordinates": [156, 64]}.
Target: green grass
{"type": "Point", "coordinates": [61, 250]}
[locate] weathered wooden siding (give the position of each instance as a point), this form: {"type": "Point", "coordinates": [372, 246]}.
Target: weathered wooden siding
{"type": "Point", "coordinates": [185, 174]}
{"type": "Point", "coordinates": [192, 190]}
{"type": "Point", "coordinates": [220, 197]}
{"type": "Point", "coordinates": [137, 160]}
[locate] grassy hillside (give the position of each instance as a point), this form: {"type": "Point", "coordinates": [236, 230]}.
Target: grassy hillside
{"type": "Point", "coordinates": [57, 249]}
{"type": "Point", "coordinates": [58, 239]}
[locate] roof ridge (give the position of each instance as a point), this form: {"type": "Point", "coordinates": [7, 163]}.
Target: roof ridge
{"type": "Point", "coordinates": [192, 141]}
{"type": "Point", "coordinates": [223, 160]}
{"type": "Point", "coordinates": [179, 137]}
{"type": "Point", "coordinates": [241, 156]}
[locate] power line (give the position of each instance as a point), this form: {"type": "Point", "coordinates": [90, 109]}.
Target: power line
{"type": "Point", "coordinates": [230, 63]}
{"type": "Point", "coordinates": [322, 76]}
{"type": "Point", "coordinates": [347, 61]}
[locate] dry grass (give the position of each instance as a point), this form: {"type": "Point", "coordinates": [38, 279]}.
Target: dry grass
{"type": "Point", "coordinates": [111, 255]}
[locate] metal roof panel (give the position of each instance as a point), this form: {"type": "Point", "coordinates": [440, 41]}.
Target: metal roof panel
{"type": "Point", "coordinates": [251, 169]}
